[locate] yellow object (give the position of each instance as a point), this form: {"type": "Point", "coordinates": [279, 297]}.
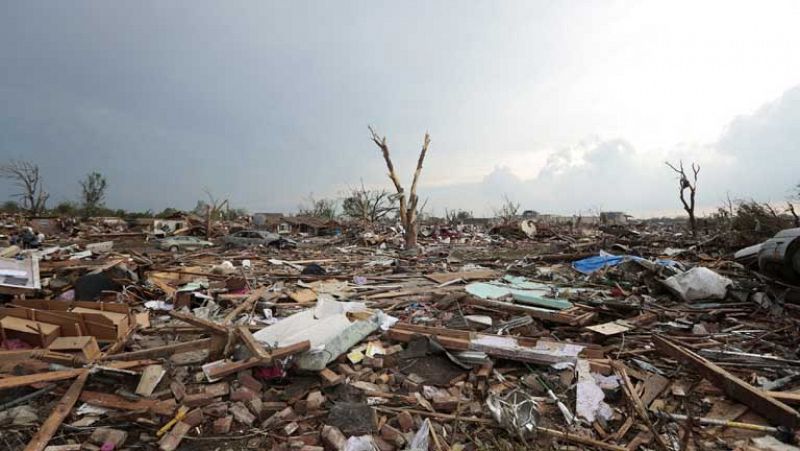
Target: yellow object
{"type": "Point", "coordinates": [182, 411]}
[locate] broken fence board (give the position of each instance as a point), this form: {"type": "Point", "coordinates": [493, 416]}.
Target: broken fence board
{"type": "Point", "coordinates": [761, 403]}
{"type": "Point", "coordinates": [59, 413]}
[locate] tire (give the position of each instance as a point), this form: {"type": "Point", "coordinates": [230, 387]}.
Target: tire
{"type": "Point", "coordinates": [173, 249]}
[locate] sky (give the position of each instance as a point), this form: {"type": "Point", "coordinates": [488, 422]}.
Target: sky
{"type": "Point", "coordinates": [564, 107]}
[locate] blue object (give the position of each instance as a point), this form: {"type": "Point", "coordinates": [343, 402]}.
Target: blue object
{"type": "Point", "coordinates": [604, 259]}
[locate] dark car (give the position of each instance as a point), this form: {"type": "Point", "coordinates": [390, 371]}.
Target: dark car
{"type": "Point", "coordinates": [248, 238]}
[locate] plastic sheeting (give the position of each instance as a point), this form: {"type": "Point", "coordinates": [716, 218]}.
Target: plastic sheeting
{"type": "Point", "coordinates": [698, 283]}
{"type": "Point", "coordinates": [605, 260]}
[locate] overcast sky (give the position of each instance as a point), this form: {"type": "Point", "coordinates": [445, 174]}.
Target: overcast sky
{"type": "Point", "coordinates": [564, 106]}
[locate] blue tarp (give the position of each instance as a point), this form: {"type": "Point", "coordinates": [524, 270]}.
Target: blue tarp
{"type": "Point", "coordinates": [598, 262]}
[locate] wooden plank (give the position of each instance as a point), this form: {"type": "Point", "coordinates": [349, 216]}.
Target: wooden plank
{"type": "Point", "coordinates": [653, 386]}
{"type": "Point", "coordinates": [330, 378]}
{"type": "Point", "coordinates": [444, 277]}
{"type": "Point", "coordinates": [251, 343]}
{"type": "Point", "coordinates": [173, 438]}
{"type": "Point", "coordinates": [200, 322]}
{"type": "Point", "coordinates": [151, 376]}
{"type": "Point", "coordinates": [505, 347]}
{"type": "Point", "coordinates": [28, 379]}
{"type": "Point", "coordinates": [784, 396]}
{"type": "Point", "coordinates": [247, 304]}
{"type": "Point", "coordinates": [303, 296]}
{"type": "Point", "coordinates": [216, 370]}
{"type": "Point", "coordinates": [162, 351]}
{"type": "Point", "coordinates": [768, 407]}
{"type": "Point", "coordinates": [638, 406]}
{"type": "Point", "coordinates": [57, 416]}
{"type": "Point", "coordinates": [110, 401]}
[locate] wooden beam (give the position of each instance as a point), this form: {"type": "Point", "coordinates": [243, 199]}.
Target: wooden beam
{"type": "Point", "coordinates": [57, 416]}
{"type": "Point", "coordinates": [200, 322]}
{"type": "Point", "coordinates": [28, 379]}
{"type": "Point", "coordinates": [215, 372]}
{"type": "Point", "coordinates": [162, 351]}
{"type": "Point", "coordinates": [256, 348]}
{"type": "Point", "coordinates": [637, 404]}
{"type": "Point", "coordinates": [784, 396]}
{"type": "Point", "coordinates": [164, 408]}
{"type": "Point", "coordinates": [247, 304]}
{"type": "Point", "coordinates": [761, 403]}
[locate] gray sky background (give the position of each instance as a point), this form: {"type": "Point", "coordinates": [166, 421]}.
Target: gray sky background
{"type": "Point", "coordinates": [564, 106]}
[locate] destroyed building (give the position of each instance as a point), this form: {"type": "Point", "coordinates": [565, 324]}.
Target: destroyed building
{"type": "Point", "coordinates": [606, 340]}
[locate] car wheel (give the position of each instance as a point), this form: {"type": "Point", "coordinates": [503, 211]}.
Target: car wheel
{"type": "Point", "coordinates": [173, 249]}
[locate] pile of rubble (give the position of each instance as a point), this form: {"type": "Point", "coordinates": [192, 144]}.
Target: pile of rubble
{"type": "Point", "coordinates": [637, 340]}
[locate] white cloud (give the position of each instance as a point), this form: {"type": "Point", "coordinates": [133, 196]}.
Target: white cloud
{"type": "Point", "coordinates": [757, 156]}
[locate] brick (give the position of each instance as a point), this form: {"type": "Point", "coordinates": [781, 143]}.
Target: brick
{"type": "Point", "coordinates": [283, 415]}
{"type": "Point", "coordinates": [392, 435]}
{"type": "Point", "coordinates": [406, 421]}
{"type": "Point", "coordinates": [194, 417]}
{"type": "Point", "coordinates": [445, 403]}
{"type": "Point", "coordinates": [242, 394]}
{"type": "Point", "coordinates": [173, 438]}
{"type": "Point", "coordinates": [247, 380]}
{"type": "Point", "coordinates": [216, 410]}
{"type": "Point", "coordinates": [222, 425]}
{"type": "Point", "coordinates": [373, 362]}
{"type": "Point", "coordinates": [333, 438]}
{"type": "Point", "coordinates": [256, 405]}
{"type": "Point", "coordinates": [199, 399]}
{"type": "Point", "coordinates": [108, 435]}
{"type": "Point", "coordinates": [383, 445]}
{"type": "Point", "coordinates": [242, 414]}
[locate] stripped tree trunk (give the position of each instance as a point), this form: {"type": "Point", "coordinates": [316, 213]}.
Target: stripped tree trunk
{"type": "Point", "coordinates": [408, 211]}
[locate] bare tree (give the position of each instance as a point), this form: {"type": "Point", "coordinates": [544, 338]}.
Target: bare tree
{"type": "Point", "coordinates": [508, 211]}
{"type": "Point", "coordinates": [793, 212]}
{"type": "Point", "coordinates": [369, 206]}
{"type": "Point", "coordinates": [791, 209]}
{"type": "Point", "coordinates": [691, 186]}
{"type": "Point", "coordinates": [93, 191]}
{"type": "Point", "coordinates": [409, 214]}
{"type": "Point", "coordinates": [453, 217]}
{"type": "Point", "coordinates": [318, 208]}
{"type": "Point", "coordinates": [213, 209]}
{"type": "Point", "coordinates": [25, 175]}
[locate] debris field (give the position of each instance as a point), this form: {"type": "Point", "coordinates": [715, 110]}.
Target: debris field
{"type": "Point", "coordinates": [636, 338]}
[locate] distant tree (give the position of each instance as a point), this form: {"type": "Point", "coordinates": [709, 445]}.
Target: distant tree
{"type": "Point", "coordinates": [791, 208]}
{"type": "Point", "coordinates": [168, 212]}
{"type": "Point", "coordinates": [213, 210]}
{"type": "Point", "coordinates": [25, 176]}
{"type": "Point", "coordinates": [454, 217]}
{"type": "Point", "coordinates": [136, 214]}
{"type": "Point", "coordinates": [67, 208]}
{"type": "Point", "coordinates": [200, 208]}
{"type": "Point", "coordinates": [691, 186]}
{"type": "Point", "coordinates": [318, 208]}
{"type": "Point", "coordinates": [231, 214]}
{"type": "Point", "coordinates": [93, 192]}
{"type": "Point", "coordinates": [508, 211]}
{"type": "Point", "coordinates": [369, 206]}
{"type": "Point", "coordinates": [408, 210]}
{"type": "Point", "coordinates": [10, 206]}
